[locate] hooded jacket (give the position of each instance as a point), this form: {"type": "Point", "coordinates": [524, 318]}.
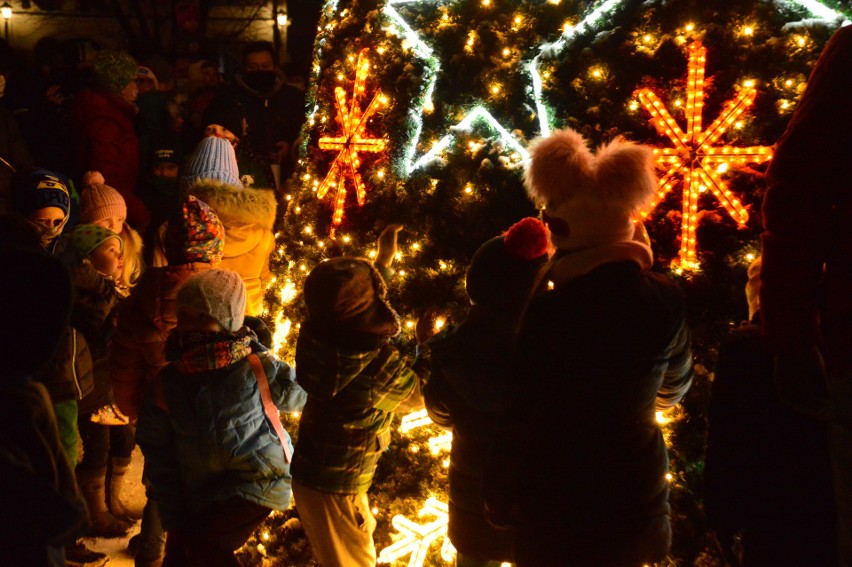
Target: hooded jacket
{"type": "Point", "coordinates": [248, 216]}
{"type": "Point", "coordinates": [352, 397]}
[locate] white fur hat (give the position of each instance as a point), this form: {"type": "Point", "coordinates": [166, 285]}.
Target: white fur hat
{"type": "Point", "coordinates": [589, 199]}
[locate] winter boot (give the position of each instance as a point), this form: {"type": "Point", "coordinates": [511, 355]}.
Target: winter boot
{"type": "Point", "coordinates": [78, 555]}
{"type": "Point", "coordinates": [117, 479]}
{"type": "Point", "coordinates": [92, 485]}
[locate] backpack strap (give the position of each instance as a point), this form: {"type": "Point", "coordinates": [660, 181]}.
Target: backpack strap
{"type": "Point", "coordinates": [269, 408]}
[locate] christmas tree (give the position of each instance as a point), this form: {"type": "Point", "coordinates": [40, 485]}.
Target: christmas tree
{"type": "Point", "coordinates": [419, 114]}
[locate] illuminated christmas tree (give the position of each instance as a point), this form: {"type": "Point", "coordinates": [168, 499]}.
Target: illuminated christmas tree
{"type": "Point", "coordinates": [420, 112]}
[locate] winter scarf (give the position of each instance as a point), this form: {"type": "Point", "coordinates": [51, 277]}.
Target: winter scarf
{"type": "Point", "coordinates": [203, 351]}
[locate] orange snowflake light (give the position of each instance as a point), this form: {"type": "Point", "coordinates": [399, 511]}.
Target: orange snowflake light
{"type": "Point", "coordinates": [694, 157]}
{"type": "Point", "coordinates": [352, 141]}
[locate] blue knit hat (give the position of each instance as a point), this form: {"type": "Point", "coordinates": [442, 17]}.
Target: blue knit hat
{"type": "Point", "coordinates": [40, 189]}
{"type": "Point", "coordinates": [214, 158]}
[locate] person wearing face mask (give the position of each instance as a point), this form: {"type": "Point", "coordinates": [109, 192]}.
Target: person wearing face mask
{"type": "Point", "coordinates": [274, 110]}
{"type": "Point", "coordinates": [103, 130]}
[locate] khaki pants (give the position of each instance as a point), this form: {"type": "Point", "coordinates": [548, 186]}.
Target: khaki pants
{"type": "Point", "coordinates": [339, 526]}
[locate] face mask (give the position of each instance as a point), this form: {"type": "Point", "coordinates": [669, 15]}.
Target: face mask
{"type": "Point", "coordinates": [47, 233]}
{"type": "Point", "coordinates": [165, 185]}
{"type": "Point", "coordinates": [260, 81]}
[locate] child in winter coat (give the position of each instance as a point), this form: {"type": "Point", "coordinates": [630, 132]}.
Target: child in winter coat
{"type": "Point", "coordinates": [470, 380]}
{"type": "Point", "coordinates": [602, 344]}
{"type": "Point", "coordinates": [356, 381]}
{"type": "Point", "coordinates": [247, 214]}
{"type": "Point", "coordinates": [193, 244]}
{"type": "Point", "coordinates": [103, 205]}
{"type": "Point", "coordinates": [767, 482]}
{"type": "Point", "coordinates": [102, 430]}
{"type": "Point", "coordinates": [217, 457]}
{"type": "Point", "coordinates": [42, 198]}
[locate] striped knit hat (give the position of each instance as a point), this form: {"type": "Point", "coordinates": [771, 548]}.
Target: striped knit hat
{"type": "Point", "coordinates": [214, 158]}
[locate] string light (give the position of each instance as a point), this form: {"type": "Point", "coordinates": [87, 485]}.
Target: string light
{"type": "Point", "coordinates": [352, 141]}
{"type": "Point", "coordinates": [694, 158]}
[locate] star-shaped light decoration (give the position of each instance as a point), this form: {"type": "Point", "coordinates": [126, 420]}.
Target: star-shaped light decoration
{"type": "Point", "coordinates": [694, 157]}
{"type": "Point", "coordinates": [417, 538]}
{"type": "Point", "coordinates": [353, 140]}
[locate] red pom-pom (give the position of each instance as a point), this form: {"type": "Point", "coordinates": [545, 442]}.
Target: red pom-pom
{"type": "Point", "coordinates": [526, 239]}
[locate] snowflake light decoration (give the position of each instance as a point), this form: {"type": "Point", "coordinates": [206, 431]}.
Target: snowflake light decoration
{"type": "Point", "coordinates": [353, 140]}
{"type": "Point", "coordinates": [417, 538]}
{"type": "Point", "coordinates": [694, 157]}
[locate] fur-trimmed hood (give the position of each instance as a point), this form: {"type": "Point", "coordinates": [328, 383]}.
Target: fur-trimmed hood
{"type": "Point", "coordinates": [236, 206]}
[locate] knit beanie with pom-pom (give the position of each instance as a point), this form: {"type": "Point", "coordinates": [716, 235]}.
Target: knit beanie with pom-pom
{"type": "Point", "coordinates": [589, 199]}
{"type": "Point", "coordinates": [214, 158]}
{"type": "Point", "coordinates": [99, 201]}
{"type": "Point", "coordinates": [503, 269]}
{"type": "Point", "coordinates": [113, 70]}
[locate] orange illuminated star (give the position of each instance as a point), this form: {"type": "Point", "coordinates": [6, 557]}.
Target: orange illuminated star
{"type": "Point", "coordinates": [694, 157]}
{"type": "Point", "coordinates": [353, 140]}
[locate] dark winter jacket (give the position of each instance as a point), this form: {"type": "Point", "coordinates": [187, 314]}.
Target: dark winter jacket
{"type": "Point", "coordinates": [767, 472]}
{"type": "Point", "coordinates": [68, 373]}
{"type": "Point", "coordinates": [145, 319]}
{"type": "Point", "coordinates": [214, 441]}
{"type": "Point", "coordinates": [352, 397]}
{"type": "Point", "coordinates": [271, 118]}
{"type": "Point", "coordinates": [598, 354]}
{"type": "Point", "coordinates": [468, 390]}
{"type": "Point", "coordinates": [95, 298]}
{"type": "Point", "coordinates": [807, 216]}
{"type": "Point", "coordinates": [103, 128]}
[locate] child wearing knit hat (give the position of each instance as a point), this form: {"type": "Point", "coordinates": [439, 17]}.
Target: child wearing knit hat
{"type": "Point", "coordinates": [471, 376]}
{"type": "Point", "coordinates": [216, 454]}
{"type": "Point", "coordinates": [104, 206]}
{"type": "Point", "coordinates": [193, 242]}
{"type": "Point", "coordinates": [107, 439]}
{"type": "Point", "coordinates": [42, 197]}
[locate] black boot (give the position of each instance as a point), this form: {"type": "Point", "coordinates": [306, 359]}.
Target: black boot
{"type": "Point", "coordinates": [78, 555]}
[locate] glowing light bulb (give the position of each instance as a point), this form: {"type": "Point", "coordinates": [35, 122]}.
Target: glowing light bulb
{"type": "Point", "coordinates": [567, 27]}
{"type": "Point", "coordinates": [648, 38]}
{"type": "Point", "coordinates": [749, 257]}
{"type": "Point", "coordinates": [748, 31]}
{"type": "Point", "coordinates": [689, 27]}
{"type": "Point", "coordinates": [749, 83]}
{"type": "Point", "coordinates": [506, 52]}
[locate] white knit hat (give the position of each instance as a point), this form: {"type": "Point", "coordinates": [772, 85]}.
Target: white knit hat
{"type": "Point", "coordinates": [219, 293]}
{"type": "Point", "coordinates": [589, 199]}
{"type": "Point", "coordinates": [214, 158]}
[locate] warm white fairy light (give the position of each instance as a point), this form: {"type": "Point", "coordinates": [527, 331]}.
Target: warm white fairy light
{"type": "Point", "coordinates": [413, 420]}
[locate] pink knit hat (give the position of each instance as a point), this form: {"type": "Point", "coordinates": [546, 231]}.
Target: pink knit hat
{"type": "Point", "coordinates": [98, 200]}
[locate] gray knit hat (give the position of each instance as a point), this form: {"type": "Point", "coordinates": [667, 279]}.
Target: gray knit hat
{"type": "Point", "coordinates": [214, 158]}
{"type": "Point", "coordinates": [219, 293]}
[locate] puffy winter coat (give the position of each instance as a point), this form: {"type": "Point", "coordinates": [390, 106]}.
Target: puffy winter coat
{"type": "Point", "coordinates": [352, 397]}
{"type": "Point", "coordinates": [68, 373]}
{"type": "Point", "coordinates": [214, 441]}
{"type": "Point", "coordinates": [598, 354]}
{"type": "Point", "coordinates": [102, 125]}
{"type": "Point", "coordinates": [467, 391]}
{"type": "Point", "coordinates": [145, 320]}
{"type": "Point", "coordinates": [248, 216]}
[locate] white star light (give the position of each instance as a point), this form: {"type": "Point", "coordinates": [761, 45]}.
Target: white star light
{"type": "Point", "coordinates": [479, 113]}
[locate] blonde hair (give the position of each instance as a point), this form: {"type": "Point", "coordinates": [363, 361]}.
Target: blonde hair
{"type": "Point", "coordinates": [134, 265]}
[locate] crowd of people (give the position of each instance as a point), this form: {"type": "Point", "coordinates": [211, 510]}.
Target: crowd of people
{"type": "Point", "coordinates": [133, 284]}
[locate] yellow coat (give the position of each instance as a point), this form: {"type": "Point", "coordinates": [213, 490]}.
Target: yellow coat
{"type": "Point", "coordinates": [248, 216]}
